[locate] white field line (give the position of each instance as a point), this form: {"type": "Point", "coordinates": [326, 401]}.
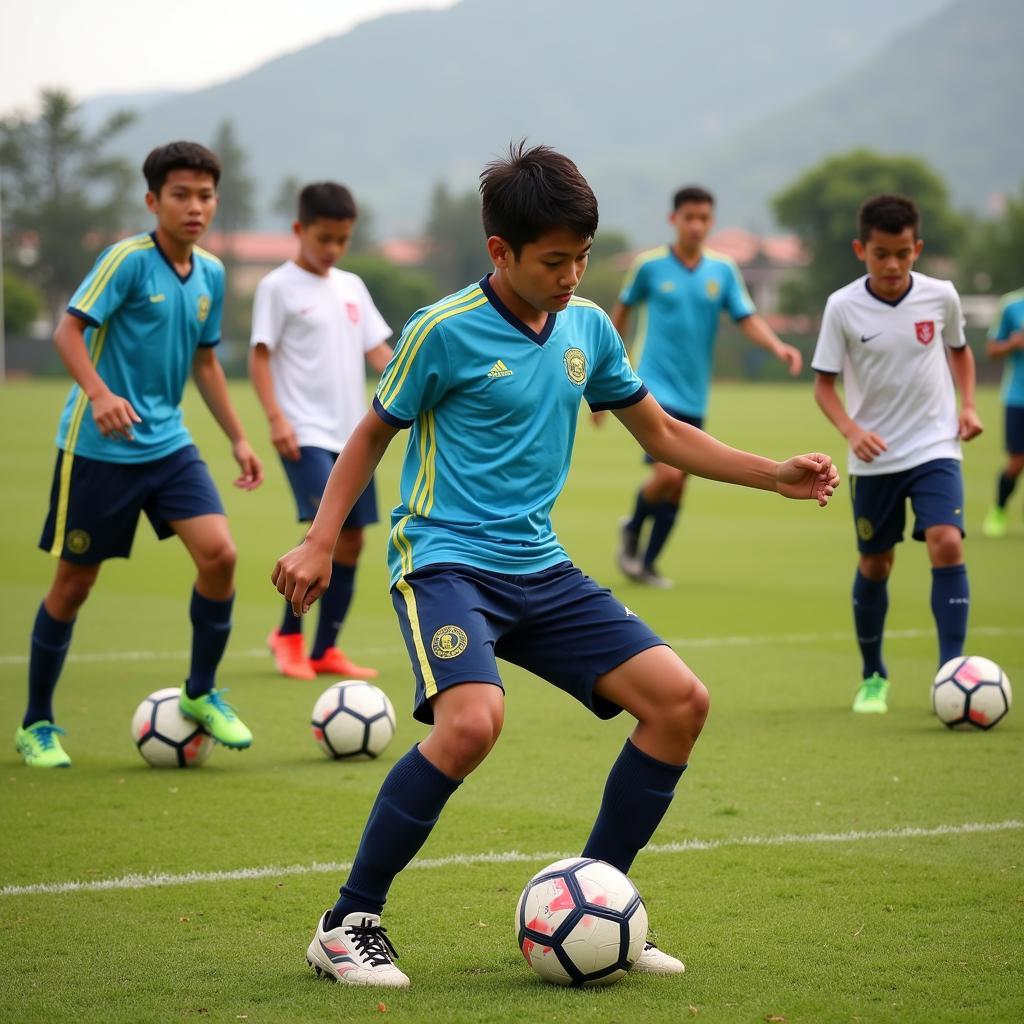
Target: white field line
{"type": "Point", "coordinates": [683, 643]}
{"type": "Point", "coordinates": [161, 879]}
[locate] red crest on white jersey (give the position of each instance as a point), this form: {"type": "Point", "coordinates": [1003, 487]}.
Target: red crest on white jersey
{"type": "Point", "coordinates": [925, 331]}
{"type": "Point", "coordinates": [353, 312]}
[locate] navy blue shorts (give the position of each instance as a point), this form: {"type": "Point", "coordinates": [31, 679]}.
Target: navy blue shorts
{"type": "Point", "coordinates": [557, 624]}
{"type": "Point", "coordinates": [694, 421]}
{"type": "Point", "coordinates": [95, 506]}
{"type": "Point", "coordinates": [936, 493]}
{"type": "Point", "coordinates": [1015, 429]}
{"type": "Point", "coordinates": [308, 478]}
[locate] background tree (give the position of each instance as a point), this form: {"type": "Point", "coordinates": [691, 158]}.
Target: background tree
{"type": "Point", "coordinates": [23, 303]}
{"type": "Point", "coordinates": [993, 259]}
{"type": "Point", "coordinates": [821, 208]}
{"type": "Point", "coordinates": [63, 198]}
{"type": "Point", "coordinates": [237, 189]}
{"type": "Point", "coordinates": [456, 239]}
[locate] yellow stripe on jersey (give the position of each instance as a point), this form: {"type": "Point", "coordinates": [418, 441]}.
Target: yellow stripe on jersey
{"type": "Point", "coordinates": [108, 268]}
{"type": "Point", "coordinates": [641, 259]}
{"type": "Point", "coordinates": [413, 348]}
{"type": "Point", "coordinates": [425, 440]}
{"type": "Point", "coordinates": [206, 254]}
{"type": "Point", "coordinates": [578, 300]}
{"type": "Point", "coordinates": [429, 683]}
{"type": "Point", "coordinates": [401, 542]}
{"type": "Point", "coordinates": [432, 467]}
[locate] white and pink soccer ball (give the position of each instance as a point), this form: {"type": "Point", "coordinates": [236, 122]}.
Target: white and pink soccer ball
{"type": "Point", "coordinates": [971, 693]}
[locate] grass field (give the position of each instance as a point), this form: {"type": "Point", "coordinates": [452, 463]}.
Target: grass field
{"type": "Point", "coordinates": [814, 867]}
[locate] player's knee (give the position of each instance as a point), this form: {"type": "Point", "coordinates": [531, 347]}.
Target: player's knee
{"type": "Point", "coordinates": [946, 547]}
{"type": "Point", "coordinates": [682, 713]}
{"type": "Point", "coordinates": [469, 737]}
{"type": "Point", "coordinates": [69, 592]}
{"type": "Point", "coordinates": [220, 560]}
{"type": "Point", "coordinates": [348, 547]}
{"type": "Point", "coordinates": [877, 567]}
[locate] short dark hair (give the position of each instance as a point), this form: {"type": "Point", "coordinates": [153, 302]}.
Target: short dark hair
{"type": "Point", "coordinates": [692, 194]}
{"type": "Point", "coordinates": [888, 212]}
{"type": "Point", "coordinates": [326, 199]}
{"type": "Point", "coordinates": [532, 191]}
{"type": "Point", "coordinates": [178, 156]}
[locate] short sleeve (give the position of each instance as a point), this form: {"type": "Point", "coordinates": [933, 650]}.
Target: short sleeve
{"type": "Point", "coordinates": [611, 383]}
{"type": "Point", "coordinates": [108, 284]}
{"type": "Point", "coordinates": [267, 315]}
{"type": "Point", "coordinates": [1003, 323]}
{"type": "Point", "coordinates": [636, 284]}
{"type": "Point", "coordinates": [418, 375]}
{"type": "Point", "coordinates": [953, 329]}
{"type": "Point", "coordinates": [210, 335]}
{"type": "Point", "coordinates": [735, 298]}
{"type": "Point", "coordinates": [831, 347]}
{"type": "Point", "coordinates": [375, 328]}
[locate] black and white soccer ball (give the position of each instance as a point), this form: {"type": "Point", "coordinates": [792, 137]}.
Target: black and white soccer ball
{"type": "Point", "coordinates": [971, 693]}
{"type": "Point", "coordinates": [581, 922]}
{"type": "Point", "coordinates": [353, 721]}
{"type": "Point", "coordinates": [164, 736]}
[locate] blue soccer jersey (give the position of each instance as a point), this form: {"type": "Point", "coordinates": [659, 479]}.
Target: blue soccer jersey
{"type": "Point", "coordinates": [145, 324]}
{"type": "Point", "coordinates": [493, 408]}
{"type": "Point", "coordinates": [1009, 320]}
{"type": "Point", "coordinates": [678, 313]}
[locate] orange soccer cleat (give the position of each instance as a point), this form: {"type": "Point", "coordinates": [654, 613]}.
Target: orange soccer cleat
{"type": "Point", "coordinates": [290, 656]}
{"type": "Point", "coordinates": [334, 662]}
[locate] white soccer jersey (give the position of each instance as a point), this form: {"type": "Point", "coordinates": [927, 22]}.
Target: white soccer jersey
{"type": "Point", "coordinates": [318, 330]}
{"type": "Point", "coordinates": [895, 371]}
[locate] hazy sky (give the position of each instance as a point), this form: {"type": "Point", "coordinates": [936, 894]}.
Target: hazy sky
{"type": "Point", "coordinates": [112, 46]}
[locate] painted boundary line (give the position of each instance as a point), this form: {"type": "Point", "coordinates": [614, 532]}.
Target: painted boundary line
{"type": "Point", "coordinates": [684, 643]}
{"type": "Point", "coordinates": [156, 880]}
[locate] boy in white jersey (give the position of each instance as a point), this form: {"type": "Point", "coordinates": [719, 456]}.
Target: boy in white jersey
{"type": "Point", "coordinates": [897, 338]}
{"type": "Point", "coordinates": [313, 328]}
{"type": "Point", "coordinates": [490, 381]}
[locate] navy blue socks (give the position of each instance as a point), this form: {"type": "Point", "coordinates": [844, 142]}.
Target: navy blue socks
{"type": "Point", "coordinates": [407, 807]}
{"type": "Point", "coordinates": [211, 627]}
{"type": "Point", "coordinates": [870, 603]}
{"type": "Point", "coordinates": [636, 796]}
{"type": "Point", "coordinates": [334, 604]}
{"type": "Point", "coordinates": [665, 513]}
{"type": "Point", "coordinates": [50, 642]}
{"type": "Point", "coordinates": [1004, 489]}
{"type": "Point", "coordinates": [643, 510]}
{"type": "Point", "coordinates": [291, 623]}
{"type": "Point", "coordinates": [951, 601]}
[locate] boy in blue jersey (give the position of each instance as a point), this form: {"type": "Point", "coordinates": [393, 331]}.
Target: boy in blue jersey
{"type": "Point", "coordinates": [1006, 341]}
{"type": "Point", "coordinates": [680, 291]}
{"type": "Point", "coordinates": [490, 381]}
{"type": "Point", "coordinates": [147, 315]}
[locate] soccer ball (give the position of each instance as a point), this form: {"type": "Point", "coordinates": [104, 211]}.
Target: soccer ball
{"type": "Point", "coordinates": [164, 736]}
{"type": "Point", "coordinates": [581, 922]}
{"type": "Point", "coordinates": [971, 693]}
{"type": "Point", "coordinates": [353, 721]}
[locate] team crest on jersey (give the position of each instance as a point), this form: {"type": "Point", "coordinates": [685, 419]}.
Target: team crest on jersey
{"type": "Point", "coordinates": [713, 289]}
{"type": "Point", "coordinates": [925, 330]}
{"type": "Point", "coordinates": [575, 366]}
{"type": "Point", "coordinates": [204, 308]}
{"type": "Point", "coordinates": [449, 642]}
{"type": "Point", "coordinates": [865, 528]}
{"type": "Point", "coordinates": [78, 542]}
{"type": "Point", "coordinates": [353, 312]}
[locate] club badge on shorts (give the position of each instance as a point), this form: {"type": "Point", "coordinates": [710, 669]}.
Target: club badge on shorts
{"type": "Point", "coordinates": [449, 642]}
{"type": "Point", "coordinates": [925, 331]}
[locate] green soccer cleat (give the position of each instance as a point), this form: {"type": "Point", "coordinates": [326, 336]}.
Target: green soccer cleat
{"type": "Point", "coordinates": [995, 522]}
{"type": "Point", "coordinates": [870, 699]}
{"type": "Point", "coordinates": [217, 717]}
{"type": "Point", "coordinates": [39, 745]}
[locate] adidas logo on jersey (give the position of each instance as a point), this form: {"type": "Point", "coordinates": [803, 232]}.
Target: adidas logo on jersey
{"type": "Point", "coordinates": [499, 369]}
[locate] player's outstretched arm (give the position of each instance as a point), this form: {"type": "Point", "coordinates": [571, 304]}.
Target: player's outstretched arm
{"type": "Point", "coordinates": [303, 574]}
{"type": "Point", "coordinates": [282, 433]}
{"type": "Point", "coordinates": [756, 329]}
{"type": "Point", "coordinates": [678, 444]}
{"type": "Point", "coordinates": [961, 365]}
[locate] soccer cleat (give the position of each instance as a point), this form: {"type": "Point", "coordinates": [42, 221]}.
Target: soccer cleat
{"type": "Point", "coordinates": [289, 655]}
{"type": "Point", "coordinates": [217, 717]}
{"type": "Point", "coordinates": [995, 522]}
{"type": "Point", "coordinates": [656, 961]}
{"type": "Point", "coordinates": [650, 577]}
{"type": "Point", "coordinates": [334, 662]}
{"type": "Point", "coordinates": [627, 558]}
{"type": "Point", "coordinates": [871, 696]}
{"type": "Point", "coordinates": [357, 952]}
{"type": "Point", "coordinates": [39, 746]}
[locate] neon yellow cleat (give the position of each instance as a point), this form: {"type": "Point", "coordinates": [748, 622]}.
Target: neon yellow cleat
{"type": "Point", "coordinates": [871, 696]}
{"type": "Point", "coordinates": [217, 717]}
{"type": "Point", "coordinates": [39, 745]}
{"type": "Point", "coordinates": [995, 522]}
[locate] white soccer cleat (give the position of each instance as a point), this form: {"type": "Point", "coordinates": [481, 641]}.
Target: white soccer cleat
{"type": "Point", "coordinates": [358, 952]}
{"type": "Point", "coordinates": [654, 961]}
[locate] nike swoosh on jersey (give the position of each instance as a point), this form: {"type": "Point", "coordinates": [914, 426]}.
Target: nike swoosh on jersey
{"type": "Point", "coordinates": [868, 337]}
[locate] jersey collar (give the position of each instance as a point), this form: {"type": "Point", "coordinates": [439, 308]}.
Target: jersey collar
{"type": "Point", "coordinates": [679, 262]}
{"type": "Point", "coordinates": [507, 314]}
{"type": "Point", "coordinates": [888, 302]}
{"type": "Point", "coordinates": [174, 270]}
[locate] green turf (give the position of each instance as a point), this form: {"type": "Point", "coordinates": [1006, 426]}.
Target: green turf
{"type": "Point", "coordinates": [884, 929]}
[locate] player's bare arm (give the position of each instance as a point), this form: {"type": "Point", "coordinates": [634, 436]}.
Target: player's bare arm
{"type": "Point", "coordinates": [114, 415]}
{"type": "Point", "coordinates": [282, 433]}
{"type": "Point", "coordinates": [209, 377]}
{"type": "Point", "coordinates": [757, 331]}
{"type": "Point", "coordinates": [863, 443]}
{"type": "Point", "coordinates": [996, 349]}
{"type": "Point", "coordinates": [693, 451]}
{"type": "Point", "coordinates": [303, 574]}
{"type": "Point", "coordinates": [961, 365]}
{"type": "Point", "coordinates": [380, 356]}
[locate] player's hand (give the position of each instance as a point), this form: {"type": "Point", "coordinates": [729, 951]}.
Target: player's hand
{"type": "Point", "coordinates": [865, 445]}
{"type": "Point", "coordinates": [970, 423]}
{"type": "Point", "coordinates": [598, 418]}
{"type": "Point", "coordinates": [302, 576]}
{"type": "Point", "coordinates": [250, 465]}
{"type": "Point", "coordinates": [790, 355]}
{"type": "Point", "coordinates": [114, 416]}
{"type": "Point", "coordinates": [282, 436]}
{"type": "Point", "coordinates": [807, 476]}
